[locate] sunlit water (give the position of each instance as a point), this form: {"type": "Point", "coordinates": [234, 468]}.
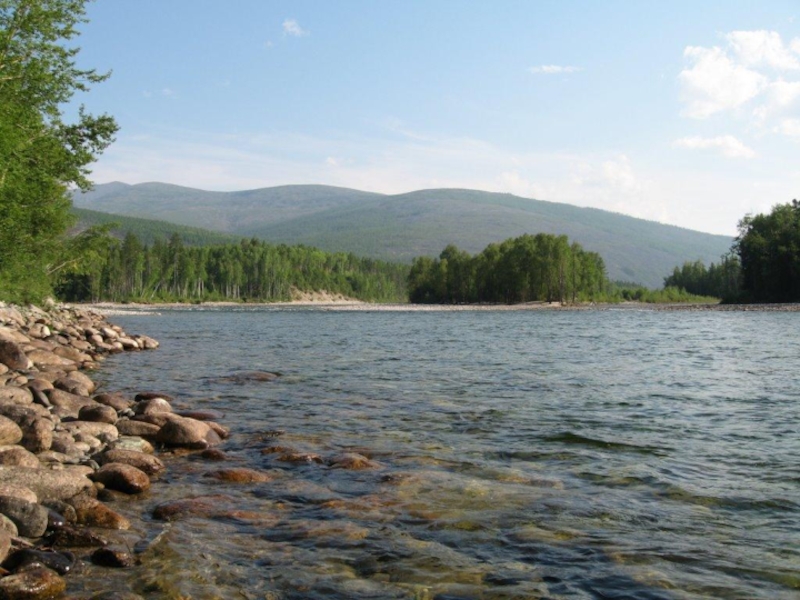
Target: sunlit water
{"type": "Point", "coordinates": [588, 454]}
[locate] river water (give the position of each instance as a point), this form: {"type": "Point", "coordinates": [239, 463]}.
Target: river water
{"type": "Point", "coordinates": [527, 454]}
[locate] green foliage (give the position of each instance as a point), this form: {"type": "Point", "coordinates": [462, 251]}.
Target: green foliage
{"type": "Point", "coordinates": [250, 270]}
{"type": "Point", "coordinates": [524, 269]}
{"type": "Point", "coordinates": [667, 295]}
{"type": "Point", "coordinates": [769, 252]}
{"type": "Point", "coordinates": [402, 227]}
{"type": "Point", "coordinates": [40, 153]}
{"type": "Point", "coordinates": [717, 281]}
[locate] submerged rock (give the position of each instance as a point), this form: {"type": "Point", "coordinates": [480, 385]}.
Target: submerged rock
{"type": "Point", "coordinates": [188, 433]}
{"type": "Point", "coordinates": [38, 583]}
{"type": "Point", "coordinates": [122, 478]}
{"type": "Point", "coordinates": [199, 506]}
{"type": "Point", "coordinates": [108, 557]}
{"type": "Point", "coordinates": [60, 562]}
{"type": "Point", "coordinates": [239, 475]}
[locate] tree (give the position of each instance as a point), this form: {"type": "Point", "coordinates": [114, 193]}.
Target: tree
{"type": "Point", "coordinates": [41, 154]}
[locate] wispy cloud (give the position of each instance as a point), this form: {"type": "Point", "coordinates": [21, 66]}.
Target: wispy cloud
{"type": "Point", "coordinates": [554, 69]}
{"type": "Point", "coordinates": [764, 49]}
{"type": "Point", "coordinates": [292, 27]}
{"type": "Point", "coordinates": [790, 127]}
{"type": "Point", "coordinates": [727, 144]}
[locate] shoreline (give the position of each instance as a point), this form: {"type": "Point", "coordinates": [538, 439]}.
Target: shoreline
{"type": "Point", "coordinates": [133, 308]}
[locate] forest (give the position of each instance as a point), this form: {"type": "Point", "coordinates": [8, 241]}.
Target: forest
{"type": "Point", "coordinates": [251, 270]}
{"type": "Point", "coordinates": [540, 267]}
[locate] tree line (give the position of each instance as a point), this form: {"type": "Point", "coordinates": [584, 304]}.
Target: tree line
{"type": "Point", "coordinates": [251, 270]}
{"type": "Point", "coordinates": [540, 267]}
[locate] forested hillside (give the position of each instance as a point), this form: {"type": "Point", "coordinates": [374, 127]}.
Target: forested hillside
{"type": "Point", "coordinates": [404, 226]}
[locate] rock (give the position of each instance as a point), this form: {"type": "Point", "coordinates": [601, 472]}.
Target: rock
{"type": "Point", "coordinates": [64, 443]}
{"type": "Point", "coordinates": [147, 463]}
{"type": "Point", "coordinates": [60, 562]}
{"type": "Point", "coordinates": [201, 415]}
{"type": "Point", "coordinates": [150, 395]}
{"type": "Point", "coordinates": [199, 506]}
{"type": "Point", "coordinates": [137, 428]}
{"type": "Point", "coordinates": [98, 414]}
{"type": "Point", "coordinates": [62, 508]}
{"type": "Point", "coordinates": [15, 395]}
{"type": "Point", "coordinates": [300, 457]}
{"type": "Point", "coordinates": [239, 475]}
{"type": "Point", "coordinates": [213, 454]}
{"type": "Point", "coordinates": [12, 356]}
{"type": "Point", "coordinates": [42, 358]}
{"type": "Point", "coordinates": [38, 436]}
{"type": "Point", "coordinates": [38, 583]}
{"type": "Point", "coordinates": [71, 537]}
{"type": "Point", "coordinates": [72, 353]}
{"type": "Point", "coordinates": [122, 478]}
{"type": "Point", "coordinates": [18, 491]}
{"type": "Point", "coordinates": [5, 544]}
{"type": "Point", "coordinates": [70, 403]}
{"type": "Point", "coordinates": [10, 433]}
{"type": "Point", "coordinates": [39, 384]}
{"type": "Point", "coordinates": [111, 595]}
{"type": "Point", "coordinates": [222, 431]}
{"type": "Point", "coordinates": [133, 443]}
{"type": "Point", "coordinates": [118, 559]}
{"type": "Point", "coordinates": [188, 433]}
{"type": "Point", "coordinates": [157, 418]}
{"type": "Point", "coordinates": [8, 526]}
{"type": "Point", "coordinates": [93, 513]}
{"type": "Point", "coordinates": [103, 431]}
{"type": "Point", "coordinates": [67, 384]}
{"type": "Point", "coordinates": [152, 405]}
{"type": "Point", "coordinates": [55, 520]}
{"type": "Point", "coordinates": [45, 483]}
{"type": "Point", "coordinates": [352, 461]}
{"type": "Point", "coordinates": [147, 343]}
{"type": "Point", "coordinates": [117, 401]}
{"type": "Point", "coordinates": [24, 415]}
{"type": "Point", "coordinates": [17, 456]}
{"type": "Point", "coordinates": [30, 519]}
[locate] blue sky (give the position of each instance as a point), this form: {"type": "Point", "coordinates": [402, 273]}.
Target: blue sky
{"type": "Point", "coordinates": [682, 112]}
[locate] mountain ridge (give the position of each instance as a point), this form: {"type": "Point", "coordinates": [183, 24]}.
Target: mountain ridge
{"type": "Point", "coordinates": [422, 222]}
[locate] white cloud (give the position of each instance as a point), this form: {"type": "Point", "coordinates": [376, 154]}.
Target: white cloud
{"type": "Point", "coordinates": [619, 173]}
{"type": "Point", "coordinates": [789, 127]}
{"type": "Point", "coordinates": [715, 83]}
{"type": "Point", "coordinates": [727, 144]}
{"type": "Point", "coordinates": [269, 44]}
{"type": "Point", "coordinates": [292, 27]}
{"type": "Point", "coordinates": [554, 69]}
{"type": "Point", "coordinates": [168, 93]}
{"type": "Point", "coordinates": [795, 45]}
{"type": "Point", "coordinates": [763, 49]}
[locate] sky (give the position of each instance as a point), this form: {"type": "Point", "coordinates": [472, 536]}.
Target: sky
{"type": "Point", "coordinates": [686, 113]}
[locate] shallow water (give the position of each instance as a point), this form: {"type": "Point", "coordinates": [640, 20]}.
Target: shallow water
{"type": "Point", "coordinates": [588, 454]}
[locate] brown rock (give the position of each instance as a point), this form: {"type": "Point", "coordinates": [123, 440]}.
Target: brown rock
{"type": "Point", "coordinates": [72, 537]}
{"type": "Point", "coordinates": [72, 353]}
{"type": "Point", "coordinates": [10, 433]}
{"type": "Point", "coordinates": [93, 513]}
{"type": "Point", "coordinates": [40, 384]}
{"type": "Point", "coordinates": [239, 475]}
{"type": "Point", "coordinates": [38, 583]}
{"type": "Point", "coordinates": [138, 428]}
{"type": "Point", "coordinates": [134, 443]}
{"type": "Point", "coordinates": [30, 518]}
{"type": "Point", "coordinates": [117, 400]}
{"type": "Point", "coordinates": [122, 478]}
{"type": "Point", "coordinates": [149, 395]}
{"type": "Point", "coordinates": [222, 431]}
{"type": "Point", "coordinates": [98, 414]}
{"type": "Point", "coordinates": [152, 405]}
{"type": "Point", "coordinates": [17, 491]}
{"type": "Point", "coordinates": [213, 454]}
{"type": "Point", "coordinates": [117, 559]}
{"type": "Point", "coordinates": [15, 395]}
{"type": "Point", "coordinates": [45, 483]}
{"type": "Point", "coordinates": [188, 433]}
{"type": "Point", "coordinates": [70, 403]}
{"type": "Point", "coordinates": [300, 457]}
{"type": "Point", "coordinates": [352, 461]}
{"type": "Point", "coordinates": [42, 358]}
{"type": "Point", "coordinates": [12, 355]}
{"type": "Point", "coordinates": [144, 462]}
{"type": "Point", "coordinates": [5, 544]}
{"type": "Point", "coordinates": [38, 436]}
{"type": "Point", "coordinates": [17, 456]}
{"type": "Point", "coordinates": [200, 506]}
{"type": "Point", "coordinates": [201, 415]}
{"type": "Point", "coordinates": [103, 431]}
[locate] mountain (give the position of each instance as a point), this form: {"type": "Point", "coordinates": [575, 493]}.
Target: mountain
{"type": "Point", "coordinates": [399, 227]}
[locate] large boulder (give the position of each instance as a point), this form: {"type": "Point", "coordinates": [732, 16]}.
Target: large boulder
{"type": "Point", "coordinates": [42, 358]}
{"type": "Point", "coordinates": [47, 484]}
{"type": "Point", "coordinates": [187, 433]}
{"type": "Point", "coordinates": [122, 478]}
{"type": "Point", "coordinates": [37, 583]}
{"type": "Point", "coordinates": [144, 462]}
{"type": "Point", "coordinates": [12, 355]}
{"type": "Point", "coordinates": [17, 456]}
{"type": "Point", "coordinates": [30, 519]}
{"type": "Point", "coordinates": [10, 432]}
{"type": "Point", "coordinates": [15, 395]}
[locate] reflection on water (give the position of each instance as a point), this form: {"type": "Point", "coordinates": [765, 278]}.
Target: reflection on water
{"type": "Point", "coordinates": [595, 454]}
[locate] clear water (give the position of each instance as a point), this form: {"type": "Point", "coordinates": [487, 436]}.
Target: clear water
{"type": "Point", "coordinates": [588, 454]}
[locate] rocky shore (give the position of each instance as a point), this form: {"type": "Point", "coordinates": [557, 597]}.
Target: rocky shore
{"type": "Point", "coordinates": [66, 448]}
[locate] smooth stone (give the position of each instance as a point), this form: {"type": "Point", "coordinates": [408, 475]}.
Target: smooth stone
{"type": "Point", "coordinates": [64, 443]}
{"type": "Point", "coordinates": [55, 520]}
{"type": "Point", "coordinates": [103, 431]}
{"type": "Point", "coordinates": [39, 384]}
{"type": "Point", "coordinates": [300, 457]}
{"type": "Point", "coordinates": [12, 355]}
{"type": "Point", "coordinates": [38, 436]}
{"type": "Point", "coordinates": [93, 513]}
{"type": "Point", "coordinates": [222, 431]}
{"type": "Point", "coordinates": [10, 432]}
{"type": "Point", "coordinates": [188, 433]}
{"type": "Point", "coordinates": [111, 595]}
{"type": "Point", "coordinates": [117, 559]}
{"type": "Point", "coordinates": [17, 491]}
{"type": "Point", "coordinates": [122, 478]}
{"type": "Point", "coordinates": [72, 537]}
{"type": "Point", "coordinates": [137, 428]}
{"type": "Point", "coordinates": [70, 404]}
{"type": "Point", "coordinates": [25, 415]}
{"type": "Point", "coordinates": [5, 544]}
{"type": "Point", "coordinates": [150, 395]}
{"type": "Point", "coordinates": [39, 583]}
{"type": "Point", "coordinates": [352, 461]}
{"type": "Point", "coordinates": [30, 518]}
{"type": "Point", "coordinates": [199, 506]}
{"type": "Point", "coordinates": [152, 405]}
{"type": "Point", "coordinates": [99, 414]}
{"type": "Point", "coordinates": [47, 484]}
{"type": "Point", "coordinates": [60, 562]}
{"type": "Point", "coordinates": [213, 454]}
{"type": "Point", "coordinates": [8, 526]}
{"type": "Point", "coordinates": [15, 395]}
{"type": "Point", "coordinates": [118, 401]}
{"type": "Point", "coordinates": [63, 509]}
{"type": "Point", "coordinates": [201, 415]}
{"type": "Point", "coordinates": [17, 456]}
{"type": "Point", "coordinates": [239, 475]}
{"type": "Point", "coordinates": [144, 462]}
{"type": "Point", "coordinates": [47, 358]}
{"type": "Point", "coordinates": [133, 443]}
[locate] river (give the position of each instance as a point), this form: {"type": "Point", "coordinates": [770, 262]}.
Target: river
{"type": "Point", "coordinates": [527, 454]}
